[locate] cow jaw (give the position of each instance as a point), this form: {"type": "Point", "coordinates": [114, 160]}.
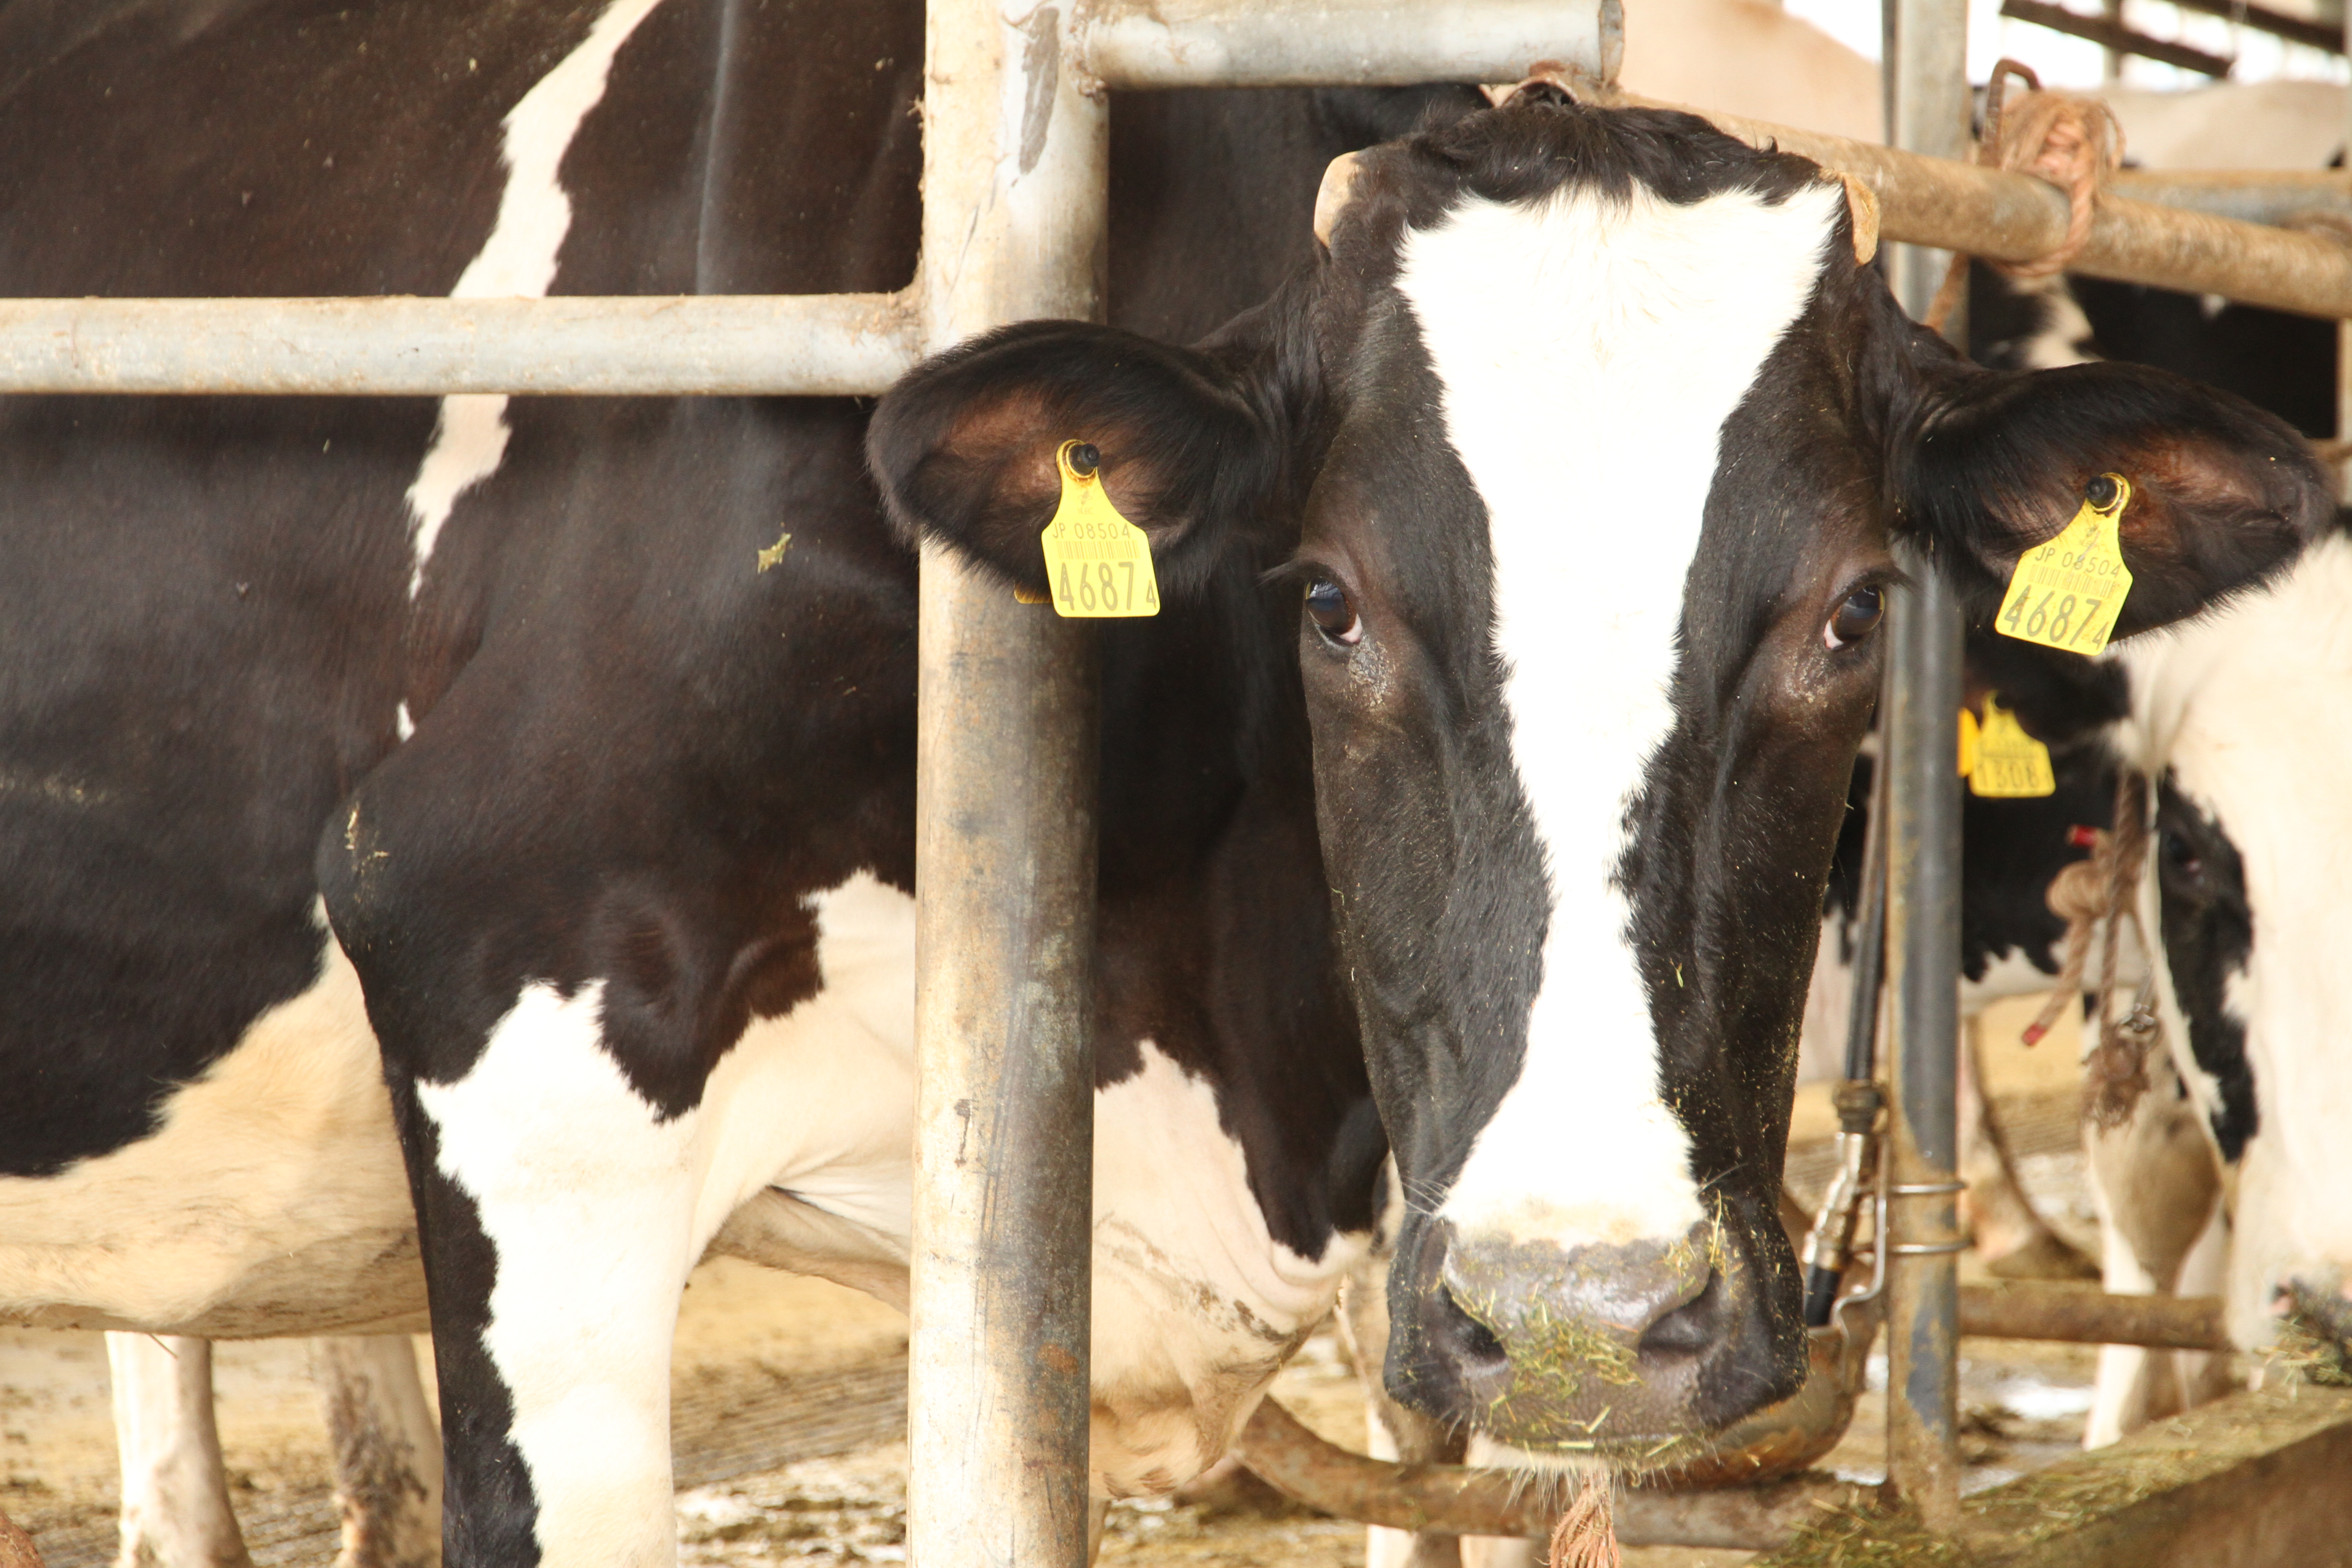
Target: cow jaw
{"type": "Point", "coordinates": [1589, 348]}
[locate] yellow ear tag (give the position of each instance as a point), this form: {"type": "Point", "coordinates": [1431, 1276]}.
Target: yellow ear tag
{"type": "Point", "coordinates": [2066, 594]}
{"type": "Point", "coordinates": [1968, 742]}
{"type": "Point", "coordinates": [1097, 562]}
{"type": "Point", "coordinates": [2010, 764]}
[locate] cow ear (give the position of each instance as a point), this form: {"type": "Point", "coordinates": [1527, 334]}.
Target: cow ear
{"type": "Point", "coordinates": [964, 446]}
{"type": "Point", "coordinates": [1992, 465]}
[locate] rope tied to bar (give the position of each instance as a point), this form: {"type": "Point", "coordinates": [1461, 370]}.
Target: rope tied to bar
{"type": "Point", "coordinates": [1586, 1535]}
{"type": "Point", "coordinates": [2098, 895]}
{"type": "Point", "coordinates": [2069, 141]}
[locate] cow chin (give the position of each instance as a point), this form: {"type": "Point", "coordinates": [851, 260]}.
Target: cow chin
{"type": "Point", "coordinates": [1626, 1356]}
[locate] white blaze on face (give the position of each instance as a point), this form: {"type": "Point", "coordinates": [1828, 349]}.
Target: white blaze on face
{"type": "Point", "coordinates": [2251, 710]}
{"type": "Point", "coordinates": [517, 261]}
{"type": "Point", "coordinates": [1590, 349]}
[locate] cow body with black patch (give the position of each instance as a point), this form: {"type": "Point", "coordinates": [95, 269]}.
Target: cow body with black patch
{"type": "Point", "coordinates": [613, 827]}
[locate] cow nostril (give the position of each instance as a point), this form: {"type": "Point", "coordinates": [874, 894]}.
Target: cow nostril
{"type": "Point", "coordinates": [1468, 1342]}
{"type": "Point", "coordinates": [1691, 1328]}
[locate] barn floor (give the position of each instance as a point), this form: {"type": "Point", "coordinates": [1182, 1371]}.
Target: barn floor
{"type": "Point", "coordinates": [790, 1398]}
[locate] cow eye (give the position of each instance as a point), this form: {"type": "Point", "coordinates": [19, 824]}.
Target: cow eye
{"type": "Point", "coordinates": [1334, 617]}
{"type": "Point", "coordinates": [2180, 857]}
{"type": "Point", "coordinates": [1855, 619]}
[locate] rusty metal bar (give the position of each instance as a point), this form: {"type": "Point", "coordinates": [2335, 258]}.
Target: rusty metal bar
{"type": "Point", "coordinates": [2080, 1315]}
{"type": "Point", "coordinates": [2278, 23]}
{"type": "Point", "coordinates": [2119, 38]}
{"type": "Point", "coordinates": [2272, 196]}
{"type": "Point", "coordinates": [1134, 44]}
{"type": "Point", "coordinates": [1016, 170]}
{"type": "Point", "coordinates": [1926, 200]}
{"type": "Point", "coordinates": [1460, 1499]}
{"type": "Point", "coordinates": [1923, 946]}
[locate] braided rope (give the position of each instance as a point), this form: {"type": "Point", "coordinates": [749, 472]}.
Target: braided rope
{"type": "Point", "coordinates": [2069, 141]}
{"type": "Point", "coordinates": [1586, 1536]}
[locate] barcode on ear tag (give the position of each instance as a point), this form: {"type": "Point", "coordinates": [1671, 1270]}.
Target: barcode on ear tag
{"type": "Point", "coordinates": [2067, 593]}
{"type": "Point", "coordinates": [2010, 764]}
{"type": "Point", "coordinates": [1097, 562]}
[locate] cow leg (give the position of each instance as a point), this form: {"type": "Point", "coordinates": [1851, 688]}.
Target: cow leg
{"type": "Point", "coordinates": [557, 1208]}
{"type": "Point", "coordinates": [175, 1509]}
{"type": "Point", "coordinates": [387, 1450]}
{"type": "Point", "coordinates": [2157, 1190]}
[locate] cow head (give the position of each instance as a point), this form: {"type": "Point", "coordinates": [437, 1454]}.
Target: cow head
{"type": "Point", "coordinates": [1585, 443]}
{"type": "Point", "coordinates": [2239, 724]}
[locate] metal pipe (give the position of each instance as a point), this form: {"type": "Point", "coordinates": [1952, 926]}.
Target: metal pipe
{"type": "Point", "coordinates": [1921, 732]}
{"type": "Point", "coordinates": [857, 344]}
{"type": "Point", "coordinates": [1131, 44]}
{"type": "Point", "coordinates": [1014, 182]}
{"type": "Point", "coordinates": [2020, 1310]}
{"type": "Point", "coordinates": [1461, 1499]}
{"type": "Point", "coordinates": [2271, 196]}
{"type": "Point", "coordinates": [1926, 200]}
{"type": "Point", "coordinates": [629, 345]}
{"type": "Point", "coordinates": [2119, 38]}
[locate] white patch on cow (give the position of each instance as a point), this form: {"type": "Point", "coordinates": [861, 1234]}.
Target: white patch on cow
{"type": "Point", "coordinates": [1591, 349]}
{"type": "Point", "coordinates": [598, 1207]}
{"type": "Point", "coordinates": [517, 260]}
{"type": "Point", "coordinates": [1196, 1305]}
{"type": "Point", "coordinates": [270, 1200]}
{"type": "Point", "coordinates": [403, 725]}
{"type": "Point", "coordinates": [2250, 709]}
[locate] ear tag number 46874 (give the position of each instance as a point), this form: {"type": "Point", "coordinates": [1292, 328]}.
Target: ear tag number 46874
{"type": "Point", "coordinates": [1097, 562]}
{"type": "Point", "coordinates": [2066, 594]}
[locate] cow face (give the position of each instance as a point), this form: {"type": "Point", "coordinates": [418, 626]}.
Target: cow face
{"type": "Point", "coordinates": [1586, 445]}
{"type": "Point", "coordinates": [2240, 724]}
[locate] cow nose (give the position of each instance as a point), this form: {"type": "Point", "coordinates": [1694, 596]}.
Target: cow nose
{"type": "Point", "coordinates": [1580, 1347]}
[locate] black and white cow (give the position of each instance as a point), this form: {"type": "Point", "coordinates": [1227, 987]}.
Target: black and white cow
{"type": "Point", "coordinates": [1583, 443]}
{"type": "Point", "coordinates": [617, 826]}
{"type": "Point", "coordinates": [1586, 447]}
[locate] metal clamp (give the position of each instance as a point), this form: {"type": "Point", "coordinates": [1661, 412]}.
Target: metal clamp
{"type": "Point", "coordinates": [1928, 1248]}
{"type": "Point", "coordinates": [1926, 1189]}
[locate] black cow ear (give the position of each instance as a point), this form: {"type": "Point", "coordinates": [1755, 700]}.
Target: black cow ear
{"type": "Point", "coordinates": [964, 446]}
{"type": "Point", "coordinates": [1992, 465]}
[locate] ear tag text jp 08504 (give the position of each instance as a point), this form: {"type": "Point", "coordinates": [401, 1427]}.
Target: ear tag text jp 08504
{"type": "Point", "coordinates": [2001, 760]}
{"type": "Point", "coordinates": [1097, 562]}
{"type": "Point", "coordinates": [2066, 594]}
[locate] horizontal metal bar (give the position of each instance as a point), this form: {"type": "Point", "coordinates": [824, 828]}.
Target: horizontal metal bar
{"type": "Point", "coordinates": [2249, 195]}
{"type": "Point", "coordinates": [629, 345]}
{"type": "Point", "coordinates": [2115, 36]}
{"type": "Point", "coordinates": [2278, 23]}
{"type": "Point", "coordinates": [2016, 217]}
{"type": "Point", "coordinates": [2021, 1311]}
{"type": "Point", "coordinates": [1455, 1500]}
{"type": "Point", "coordinates": [1132, 44]}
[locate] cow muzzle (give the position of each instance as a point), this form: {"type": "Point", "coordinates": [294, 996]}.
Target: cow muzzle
{"type": "Point", "coordinates": [1621, 1353]}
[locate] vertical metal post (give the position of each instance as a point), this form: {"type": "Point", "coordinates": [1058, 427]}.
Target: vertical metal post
{"type": "Point", "coordinates": [1931, 117]}
{"type": "Point", "coordinates": [1014, 176]}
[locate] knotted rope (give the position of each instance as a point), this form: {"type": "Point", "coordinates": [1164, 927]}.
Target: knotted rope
{"type": "Point", "coordinates": [2106, 888]}
{"type": "Point", "coordinates": [2072, 142]}
{"type": "Point", "coordinates": [1586, 1535]}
